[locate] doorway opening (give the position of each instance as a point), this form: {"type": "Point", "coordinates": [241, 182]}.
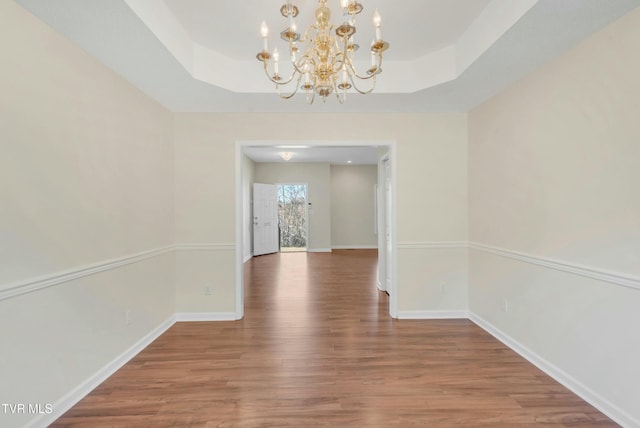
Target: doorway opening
{"type": "Point", "coordinates": [292, 217]}
{"type": "Point", "coordinates": [253, 152]}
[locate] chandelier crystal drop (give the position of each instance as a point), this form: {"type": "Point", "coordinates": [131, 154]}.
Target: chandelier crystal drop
{"type": "Point", "coordinates": [321, 58]}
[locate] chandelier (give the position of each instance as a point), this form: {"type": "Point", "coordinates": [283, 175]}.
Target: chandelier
{"type": "Point", "coordinates": [322, 58]}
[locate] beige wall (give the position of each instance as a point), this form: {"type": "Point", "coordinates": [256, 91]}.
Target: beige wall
{"type": "Point", "coordinates": [431, 150]}
{"type": "Point", "coordinates": [554, 175]}
{"type": "Point", "coordinates": [318, 179]}
{"type": "Point", "coordinates": [86, 177]}
{"type": "Point", "coordinates": [339, 195]}
{"type": "Point", "coordinates": [353, 206]}
{"type": "Point", "coordinates": [431, 172]}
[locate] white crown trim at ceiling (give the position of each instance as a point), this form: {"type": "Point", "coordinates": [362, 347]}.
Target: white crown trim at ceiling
{"type": "Point", "coordinates": [245, 76]}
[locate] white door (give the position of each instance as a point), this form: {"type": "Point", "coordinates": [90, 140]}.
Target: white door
{"type": "Point", "coordinates": [265, 219]}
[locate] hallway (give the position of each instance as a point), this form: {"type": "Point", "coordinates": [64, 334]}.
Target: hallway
{"type": "Point", "coordinates": [318, 348]}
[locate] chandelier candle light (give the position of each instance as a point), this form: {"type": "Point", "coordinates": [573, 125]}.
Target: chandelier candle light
{"type": "Point", "coordinates": [325, 66]}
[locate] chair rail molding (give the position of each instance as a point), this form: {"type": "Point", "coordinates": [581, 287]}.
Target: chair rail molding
{"type": "Point", "coordinates": [618, 278]}
{"type": "Point", "coordinates": [29, 285]}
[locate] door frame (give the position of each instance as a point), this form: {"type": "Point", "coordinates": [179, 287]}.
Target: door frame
{"type": "Point", "coordinates": [240, 212]}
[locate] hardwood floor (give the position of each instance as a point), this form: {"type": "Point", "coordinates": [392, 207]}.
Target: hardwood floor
{"type": "Point", "coordinates": [317, 348]}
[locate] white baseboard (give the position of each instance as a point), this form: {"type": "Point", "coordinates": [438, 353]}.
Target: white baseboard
{"type": "Point", "coordinates": [432, 315]}
{"type": "Point", "coordinates": [318, 250]}
{"type": "Point", "coordinates": [73, 397]}
{"type": "Point", "coordinates": [78, 393]}
{"type": "Point", "coordinates": [205, 316]}
{"type": "Point", "coordinates": [605, 406]}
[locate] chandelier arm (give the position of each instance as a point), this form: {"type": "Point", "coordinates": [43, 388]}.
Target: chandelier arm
{"type": "Point", "coordinates": [370, 76]}
{"type": "Point", "coordinates": [278, 82]}
{"type": "Point", "coordinates": [339, 59]}
{"type": "Point", "coordinates": [344, 60]}
{"type": "Point", "coordinates": [290, 95]}
{"type": "Point", "coordinates": [306, 57]}
{"type": "Point", "coordinates": [342, 56]}
{"type": "Point", "coordinates": [360, 91]}
{"type": "Point", "coordinates": [347, 60]}
{"type": "Point", "coordinates": [299, 67]}
{"type": "Point", "coordinates": [305, 38]}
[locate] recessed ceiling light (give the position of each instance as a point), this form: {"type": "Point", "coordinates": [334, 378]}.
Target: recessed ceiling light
{"type": "Point", "coordinates": [349, 161]}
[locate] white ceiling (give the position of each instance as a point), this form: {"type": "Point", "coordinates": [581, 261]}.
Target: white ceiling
{"type": "Point", "coordinates": [232, 27]}
{"type": "Point", "coordinates": [446, 55]}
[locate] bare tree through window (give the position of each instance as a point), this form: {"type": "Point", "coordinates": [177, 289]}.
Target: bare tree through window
{"type": "Point", "coordinates": [292, 215]}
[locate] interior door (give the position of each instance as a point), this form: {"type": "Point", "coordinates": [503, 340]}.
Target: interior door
{"type": "Point", "coordinates": [265, 219]}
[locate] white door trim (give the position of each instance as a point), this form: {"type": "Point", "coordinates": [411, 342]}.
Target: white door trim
{"type": "Point", "coordinates": [390, 263]}
{"type": "Point", "coordinates": [392, 150]}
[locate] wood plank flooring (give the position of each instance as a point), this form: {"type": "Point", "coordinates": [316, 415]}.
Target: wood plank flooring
{"type": "Point", "coordinates": [317, 348]}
